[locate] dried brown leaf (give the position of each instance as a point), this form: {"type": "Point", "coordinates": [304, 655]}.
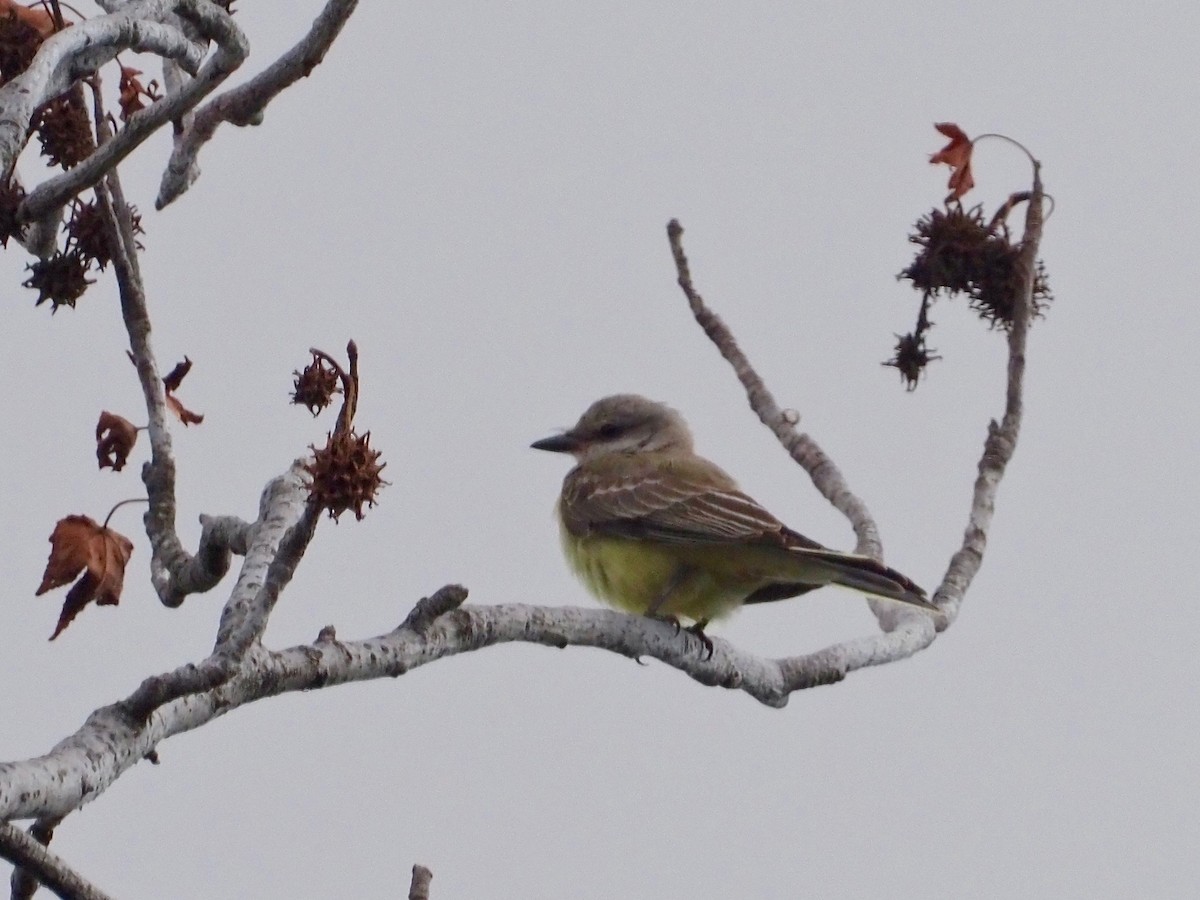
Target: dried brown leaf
{"type": "Point", "coordinates": [185, 415]}
{"type": "Point", "coordinates": [172, 381]}
{"type": "Point", "coordinates": [133, 92]}
{"type": "Point", "coordinates": [175, 377]}
{"type": "Point", "coordinates": [79, 545]}
{"type": "Point", "coordinates": [957, 155]}
{"type": "Point", "coordinates": [115, 437]}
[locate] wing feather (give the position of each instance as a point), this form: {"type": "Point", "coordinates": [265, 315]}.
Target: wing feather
{"type": "Point", "coordinates": [667, 499]}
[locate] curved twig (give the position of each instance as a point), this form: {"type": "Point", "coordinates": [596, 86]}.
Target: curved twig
{"type": "Point", "coordinates": [906, 632]}
{"type": "Point", "coordinates": [1002, 437]}
{"type": "Point", "coordinates": [244, 104]}
{"type": "Point", "coordinates": [83, 48]}
{"type": "Point", "coordinates": [31, 857]}
{"type": "Point", "coordinates": [825, 475]}
{"type": "Point", "coordinates": [418, 888]}
{"type": "Point", "coordinates": [214, 24]}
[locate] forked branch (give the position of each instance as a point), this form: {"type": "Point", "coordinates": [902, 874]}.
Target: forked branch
{"type": "Point", "coordinates": [906, 632]}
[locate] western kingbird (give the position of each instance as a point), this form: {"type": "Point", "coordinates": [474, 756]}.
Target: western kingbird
{"type": "Point", "coordinates": [652, 528]}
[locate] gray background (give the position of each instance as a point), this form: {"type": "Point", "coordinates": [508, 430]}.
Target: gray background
{"type": "Point", "coordinates": [477, 194]}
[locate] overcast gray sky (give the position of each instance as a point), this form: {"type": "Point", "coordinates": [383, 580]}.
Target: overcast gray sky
{"type": "Point", "coordinates": [477, 194]}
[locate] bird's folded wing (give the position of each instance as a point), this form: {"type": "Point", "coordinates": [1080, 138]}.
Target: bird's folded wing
{"type": "Point", "coordinates": [690, 501]}
{"type": "Point", "coordinates": [694, 502]}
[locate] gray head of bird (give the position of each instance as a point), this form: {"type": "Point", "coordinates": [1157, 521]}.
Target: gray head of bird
{"type": "Point", "coordinates": [622, 423]}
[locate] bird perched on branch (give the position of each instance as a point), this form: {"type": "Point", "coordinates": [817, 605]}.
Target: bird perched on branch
{"type": "Point", "coordinates": [652, 528]}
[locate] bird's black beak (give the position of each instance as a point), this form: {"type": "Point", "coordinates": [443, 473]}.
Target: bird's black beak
{"type": "Point", "coordinates": [560, 443]}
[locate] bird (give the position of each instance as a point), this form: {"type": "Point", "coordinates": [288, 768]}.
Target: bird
{"type": "Point", "coordinates": [652, 528]}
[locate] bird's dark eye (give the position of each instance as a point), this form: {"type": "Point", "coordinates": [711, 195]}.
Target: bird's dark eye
{"type": "Point", "coordinates": [611, 430]}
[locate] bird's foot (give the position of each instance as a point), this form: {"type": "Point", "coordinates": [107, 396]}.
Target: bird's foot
{"type": "Point", "coordinates": [705, 640]}
{"type": "Point", "coordinates": [696, 629]}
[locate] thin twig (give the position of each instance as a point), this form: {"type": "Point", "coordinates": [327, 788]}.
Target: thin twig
{"type": "Point", "coordinates": [1001, 440]}
{"type": "Point", "coordinates": [23, 883]}
{"type": "Point", "coordinates": [905, 632]}
{"type": "Point", "coordinates": [429, 609]}
{"type": "Point", "coordinates": [825, 475]}
{"type": "Point", "coordinates": [135, 28]}
{"type": "Point", "coordinates": [48, 868]}
{"type": "Point", "coordinates": [419, 888]}
{"type": "Point", "coordinates": [159, 473]}
{"type": "Point", "coordinates": [175, 573]}
{"type": "Point", "coordinates": [244, 104]}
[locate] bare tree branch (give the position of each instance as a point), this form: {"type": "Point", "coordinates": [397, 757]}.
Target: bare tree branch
{"type": "Point", "coordinates": [31, 856]}
{"type": "Point", "coordinates": [419, 889]}
{"type": "Point", "coordinates": [174, 572]}
{"type": "Point", "coordinates": [82, 766]}
{"type": "Point", "coordinates": [82, 49]}
{"type": "Point", "coordinates": [24, 883]}
{"type": "Point", "coordinates": [1002, 438]}
{"type": "Point", "coordinates": [244, 104]}
{"type": "Point", "coordinates": [87, 46]}
{"type": "Point", "coordinates": [241, 671]}
{"type": "Point", "coordinates": [825, 475]}
{"type": "Point", "coordinates": [275, 545]}
{"type": "Point", "coordinates": [905, 632]}
{"type": "Point", "coordinates": [286, 523]}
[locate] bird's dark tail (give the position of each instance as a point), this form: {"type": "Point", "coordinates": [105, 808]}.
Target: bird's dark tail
{"type": "Point", "coordinates": [859, 573]}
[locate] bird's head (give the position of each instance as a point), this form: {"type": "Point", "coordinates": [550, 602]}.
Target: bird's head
{"type": "Point", "coordinates": [622, 423]}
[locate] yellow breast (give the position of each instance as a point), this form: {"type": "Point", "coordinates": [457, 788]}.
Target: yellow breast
{"type": "Point", "coordinates": [633, 575]}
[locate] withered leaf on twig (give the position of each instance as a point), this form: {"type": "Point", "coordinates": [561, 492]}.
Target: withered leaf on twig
{"type": "Point", "coordinates": [171, 382]}
{"type": "Point", "coordinates": [173, 379]}
{"type": "Point", "coordinates": [185, 415]}
{"type": "Point", "coordinates": [132, 92]}
{"type": "Point", "coordinates": [115, 437]}
{"type": "Point", "coordinates": [957, 155]}
{"type": "Point", "coordinates": [79, 545]}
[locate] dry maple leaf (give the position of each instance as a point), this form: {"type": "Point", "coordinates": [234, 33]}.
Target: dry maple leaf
{"type": "Point", "coordinates": [132, 92]}
{"type": "Point", "coordinates": [171, 382]}
{"type": "Point", "coordinates": [173, 379]}
{"type": "Point", "coordinates": [957, 155]}
{"type": "Point", "coordinates": [185, 415]}
{"type": "Point", "coordinates": [115, 437]}
{"type": "Point", "coordinates": [77, 545]}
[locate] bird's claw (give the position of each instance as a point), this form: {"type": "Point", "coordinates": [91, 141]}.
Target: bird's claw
{"type": "Point", "coordinates": [705, 640]}
{"type": "Point", "coordinates": [696, 629]}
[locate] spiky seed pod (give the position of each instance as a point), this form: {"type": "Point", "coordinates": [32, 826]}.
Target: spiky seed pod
{"type": "Point", "coordinates": [911, 358]}
{"type": "Point", "coordinates": [345, 474]}
{"type": "Point", "coordinates": [61, 279]}
{"type": "Point", "coordinates": [315, 386]}
{"type": "Point", "coordinates": [19, 43]}
{"type": "Point", "coordinates": [65, 129]}
{"type": "Point", "coordinates": [11, 196]}
{"type": "Point", "coordinates": [87, 232]}
{"type": "Point", "coordinates": [950, 242]}
{"type": "Point", "coordinates": [961, 254]}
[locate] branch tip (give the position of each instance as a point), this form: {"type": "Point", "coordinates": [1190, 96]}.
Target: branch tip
{"type": "Point", "coordinates": [429, 609]}
{"type": "Point", "coordinates": [419, 888]}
